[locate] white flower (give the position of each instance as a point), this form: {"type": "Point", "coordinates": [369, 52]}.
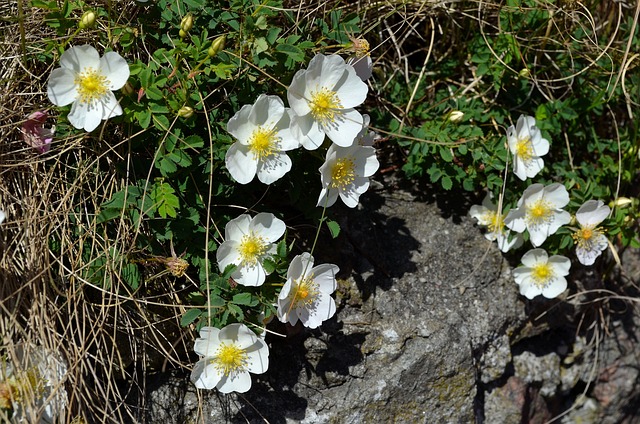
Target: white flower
{"type": "Point", "coordinates": [540, 211]}
{"type": "Point", "coordinates": [346, 173]}
{"type": "Point", "coordinates": [229, 355]}
{"type": "Point", "coordinates": [527, 145]}
{"type": "Point", "coordinates": [34, 384]}
{"type": "Point", "coordinates": [306, 296]}
{"type": "Point", "coordinates": [590, 239]}
{"type": "Point", "coordinates": [263, 134]}
{"type": "Point", "coordinates": [87, 80]}
{"type": "Point", "coordinates": [322, 98]}
{"type": "Point", "coordinates": [542, 274]}
{"type": "Point", "coordinates": [487, 215]}
{"type": "Point", "coordinates": [2, 216]}
{"type": "Point", "coordinates": [248, 242]}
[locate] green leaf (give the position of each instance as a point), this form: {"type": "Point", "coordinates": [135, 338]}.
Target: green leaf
{"type": "Point", "coordinates": [165, 200]}
{"type": "Point", "coordinates": [216, 301]}
{"type": "Point", "coordinates": [131, 275]}
{"type": "Point", "coordinates": [334, 228]}
{"type": "Point", "coordinates": [446, 182]}
{"type": "Point", "coordinates": [190, 316]}
{"type": "Point", "coordinates": [236, 311]}
{"type": "Point", "coordinates": [244, 299]}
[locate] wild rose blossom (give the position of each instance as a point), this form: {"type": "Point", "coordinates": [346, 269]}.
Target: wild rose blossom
{"type": "Point", "coordinates": [527, 146]}
{"type": "Point", "coordinates": [306, 296]}
{"type": "Point", "coordinates": [590, 239]}
{"type": "Point", "coordinates": [228, 356]}
{"type": "Point", "coordinates": [88, 80]}
{"type": "Point", "coordinates": [540, 212]}
{"type": "Point", "coordinates": [542, 274]}
{"type": "Point", "coordinates": [248, 242]}
{"type": "Point", "coordinates": [487, 215]}
{"type": "Point", "coordinates": [263, 135]}
{"type": "Point", "coordinates": [322, 98]}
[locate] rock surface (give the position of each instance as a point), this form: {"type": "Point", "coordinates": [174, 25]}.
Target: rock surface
{"type": "Point", "coordinates": [430, 328]}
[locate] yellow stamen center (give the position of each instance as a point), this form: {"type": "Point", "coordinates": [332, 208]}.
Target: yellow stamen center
{"type": "Point", "coordinates": [305, 292]}
{"type": "Point", "coordinates": [542, 274]}
{"type": "Point", "coordinates": [493, 221]}
{"type": "Point", "coordinates": [263, 142]}
{"type": "Point", "coordinates": [524, 149]}
{"type": "Point", "coordinates": [539, 212]}
{"type": "Point", "coordinates": [325, 105]}
{"type": "Point", "coordinates": [92, 85]}
{"type": "Point", "coordinates": [343, 172]}
{"type": "Point", "coordinates": [251, 248]}
{"type": "Point", "coordinates": [230, 358]}
{"type": "Point", "coordinates": [587, 237]}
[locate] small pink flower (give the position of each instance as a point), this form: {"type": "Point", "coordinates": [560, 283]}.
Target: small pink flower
{"type": "Point", "coordinates": [35, 134]}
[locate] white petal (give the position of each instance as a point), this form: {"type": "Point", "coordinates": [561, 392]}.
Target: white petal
{"type": "Point", "coordinates": [351, 195]}
{"type": "Point", "coordinates": [205, 375]}
{"type": "Point", "coordinates": [515, 220]}
{"type": "Point", "coordinates": [540, 146]}
{"type": "Point", "coordinates": [592, 213]}
{"type": "Point", "coordinates": [237, 227]}
{"type": "Point", "coordinates": [250, 275]}
{"type": "Point", "coordinates": [62, 89]}
{"type": "Point", "coordinates": [239, 334]}
{"type": "Point", "coordinates": [207, 344]}
{"type": "Point", "coordinates": [557, 195]}
{"type": "Point", "coordinates": [240, 163]}
{"type": "Point", "coordinates": [79, 58]}
{"type": "Point", "coordinates": [239, 125]}
{"type": "Point", "coordinates": [307, 131]}
{"type": "Point", "coordinates": [325, 277]}
{"type": "Point", "coordinates": [344, 130]}
{"type": "Point", "coordinates": [110, 106]}
{"type": "Point", "coordinates": [529, 289]}
{"type": "Point", "coordinates": [560, 264]}
{"type": "Point", "coordinates": [228, 253]}
{"type": "Point", "coordinates": [268, 226]}
{"type": "Point", "coordinates": [327, 197]}
{"type": "Point", "coordinates": [258, 358]}
{"type": "Point", "coordinates": [534, 257]}
{"type": "Point", "coordinates": [239, 382]}
{"type": "Point", "coordinates": [267, 111]}
{"type": "Point", "coordinates": [363, 66]}
{"type": "Point", "coordinates": [520, 274]}
{"type": "Point", "coordinates": [296, 94]}
{"type": "Point", "coordinates": [83, 117]}
{"type": "Point", "coordinates": [555, 287]}
{"type": "Point", "coordinates": [351, 90]}
{"type": "Point", "coordinates": [519, 168]}
{"type": "Point", "coordinates": [273, 168]}
{"type": "Point", "coordinates": [116, 69]}
{"type": "Point", "coordinates": [587, 256]}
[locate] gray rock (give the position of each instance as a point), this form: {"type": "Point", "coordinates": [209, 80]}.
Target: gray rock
{"type": "Point", "coordinates": [424, 295]}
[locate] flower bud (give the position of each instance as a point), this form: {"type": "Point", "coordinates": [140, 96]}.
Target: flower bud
{"type": "Point", "coordinates": [87, 20]}
{"type": "Point", "coordinates": [186, 112]}
{"type": "Point", "coordinates": [524, 73]}
{"type": "Point", "coordinates": [182, 33]}
{"type": "Point", "coordinates": [217, 46]}
{"type": "Point", "coordinates": [456, 116]}
{"type": "Point", "coordinates": [186, 23]}
{"type": "Point", "coordinates": [620, 202]}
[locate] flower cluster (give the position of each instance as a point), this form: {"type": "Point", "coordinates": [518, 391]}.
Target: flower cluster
{"type": "Point", "coordinates": [323, 98]}
{"type": "Point", "coordinates": [322, 101]}
{"type": "Point", "coordinates": [540, 212]}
